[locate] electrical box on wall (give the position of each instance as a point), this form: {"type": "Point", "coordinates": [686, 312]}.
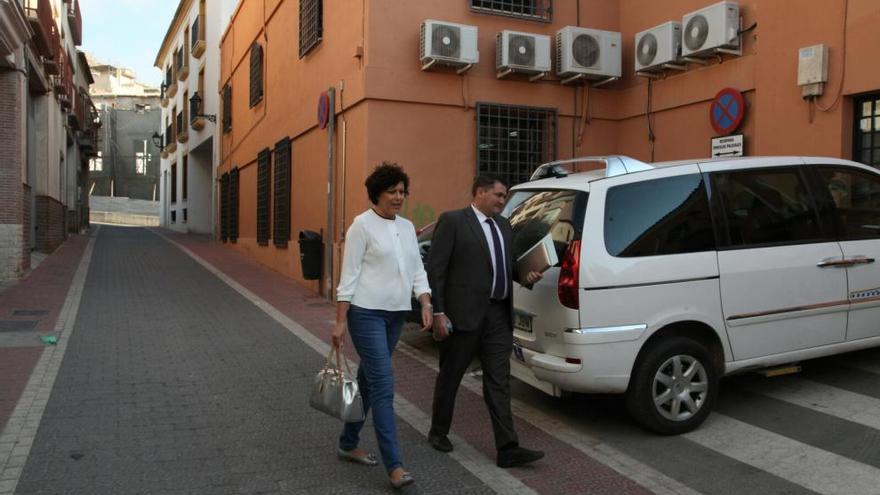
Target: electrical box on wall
{"type": "Point", "coordinates": [812, 69]}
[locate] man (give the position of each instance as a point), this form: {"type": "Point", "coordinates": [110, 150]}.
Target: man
{"type": "Point", "coordinates": [469, 271]}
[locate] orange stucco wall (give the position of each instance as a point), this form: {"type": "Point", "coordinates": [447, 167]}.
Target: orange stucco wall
{"type": "Point", "coordinates": [388, 109]}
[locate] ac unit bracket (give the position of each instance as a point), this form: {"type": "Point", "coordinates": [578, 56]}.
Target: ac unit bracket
{"type": "Point", "coordinates": [573, 79]}
{"type": "Point", "coordinates": [430, 64]}
{"type": "Point", "coordinates": [602, 82]}
{"type": "Point", "coordinates": [463, 69]}
{"type": "Point", "coordinates": [537, 76]}
{"type": "Point", "coordinates": [650, 74]}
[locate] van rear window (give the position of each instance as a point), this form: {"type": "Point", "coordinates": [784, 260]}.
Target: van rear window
{"type": "Point", "coordinates": [534, 214]}
{"type": "Point", "coordinates": [661, 216]}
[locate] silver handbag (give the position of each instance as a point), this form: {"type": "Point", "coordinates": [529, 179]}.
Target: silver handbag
{"type": "Point", "coordinates": [335, 391]}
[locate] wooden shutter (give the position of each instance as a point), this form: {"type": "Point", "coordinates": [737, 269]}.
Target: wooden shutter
{"type": "Point", "coordinates": [256, 74]}
{"type": "Point", "coordinates": [233, 204]}
{"type": "Point", "coordinates": [281, 232]}
{"type": "Point", "coordinates": [224, 207]}
{"type": "Point", "coordinates": [227, 108]}
{"type": "Point", "coordinates": [263, 178]}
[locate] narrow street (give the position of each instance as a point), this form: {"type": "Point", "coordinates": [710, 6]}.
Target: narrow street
{"type": "Point", "coordinates": [188, 366]}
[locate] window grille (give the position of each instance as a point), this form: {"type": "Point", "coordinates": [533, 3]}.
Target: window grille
{"type": "Point", "coordinates": [539, 10]}
{"type": "Point", "coordinates": [256, 87]}
{"type": "Point", "coordinates": [233, 204]}
{"type": "Point", "coordinates": [513, 140]}
{"type": "Point", "coordinates": [311, 28]}
{"type": "Point", "coordinates": [281, 226]}
{"type": "Point", "coordinates": [224, 207]}
{"type": "Point", "coordinates": [174, 183]}
{"type": "Point", "coordinates": [263, 178]}
{"type": "Point", "coordinates": [866, 141]}
{"type": "Point", "coordinates": [184, 177]}
{"type": "Point", "coordinates": [227, 108]}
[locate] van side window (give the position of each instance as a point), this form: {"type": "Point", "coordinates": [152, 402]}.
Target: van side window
{"type": "Point", "coordinates": [762, 207]}
{"type": "Point", "coordinates": [661, 216]}
{"type": "Point", "coordinates": [856, 198]}
{"type": "Point", "coordinates": [534, 214]}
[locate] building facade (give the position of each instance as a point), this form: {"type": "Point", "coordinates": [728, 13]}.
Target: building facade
{"type": "Point", "coordinates": [282, 170]}
{"type": "Point", "coordinates": [49, 129]}
{"type": "Point", "coordinates": [190, 59]}
{"type": "Point", "coordinates": [128, 160]}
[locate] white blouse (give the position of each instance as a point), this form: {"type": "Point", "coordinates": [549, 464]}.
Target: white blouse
{"type": "Point", "coordinates": [381, 266]}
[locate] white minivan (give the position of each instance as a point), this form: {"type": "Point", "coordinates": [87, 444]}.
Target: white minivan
{"type": "Point", "coordinates": [672, 275]}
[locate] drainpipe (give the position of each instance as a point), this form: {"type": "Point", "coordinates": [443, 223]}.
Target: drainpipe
{"type": "Point", "coordinates": [330, 237]}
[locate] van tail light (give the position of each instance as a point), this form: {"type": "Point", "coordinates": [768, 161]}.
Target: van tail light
{"type": "Point", "coordinates": [568, 275]}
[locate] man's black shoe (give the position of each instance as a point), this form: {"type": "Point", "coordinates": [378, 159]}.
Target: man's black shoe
{"type": "Point", "coordinates": [517, 456]}
{"type": "Point", "coordinates": [440, 442]}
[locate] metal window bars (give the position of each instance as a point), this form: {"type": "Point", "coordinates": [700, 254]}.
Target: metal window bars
{"type": "Point", "coordinates": [512, 141]}
{"type": "Point", "coordinates": [538, 10]}
{"type": "Point", "coordinates": [311, 21]}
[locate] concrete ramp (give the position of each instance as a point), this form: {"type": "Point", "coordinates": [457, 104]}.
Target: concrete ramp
{"type": "Point", "coordinates": [123, 211]}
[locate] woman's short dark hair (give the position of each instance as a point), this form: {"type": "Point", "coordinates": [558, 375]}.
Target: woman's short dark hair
{"type": "Point", "coordinates": [385, 177]}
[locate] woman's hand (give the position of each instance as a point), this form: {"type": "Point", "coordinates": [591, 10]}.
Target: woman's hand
{"type": "Point", "coordinates": [427, 317]}
{"type": "Point", "coordinates": [338, 334]}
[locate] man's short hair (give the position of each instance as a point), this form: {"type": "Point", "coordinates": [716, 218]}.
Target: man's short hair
{"type": "Point", "coordinates": [485, 182]}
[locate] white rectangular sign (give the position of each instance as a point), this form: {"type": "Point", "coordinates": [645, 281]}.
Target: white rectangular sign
{"type": "Point", "coordinates": [727, 146]}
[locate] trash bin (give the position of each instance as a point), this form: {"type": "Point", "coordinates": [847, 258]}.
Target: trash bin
{"type": "Point", "coordinates": [310, 249]}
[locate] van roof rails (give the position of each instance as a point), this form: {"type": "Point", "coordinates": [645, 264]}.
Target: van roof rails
{"type": "Point", "coordinates": [614, 165]}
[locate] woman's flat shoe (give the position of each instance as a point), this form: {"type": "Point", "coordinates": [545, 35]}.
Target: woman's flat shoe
{"type": "Point", "coordinates": [404, 480]}
{"type": "Point", "coordinates": [367, 460]}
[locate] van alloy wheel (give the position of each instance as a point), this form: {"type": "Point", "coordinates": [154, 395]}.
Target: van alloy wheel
{"type": "Point", "coordinates": [680, 387]}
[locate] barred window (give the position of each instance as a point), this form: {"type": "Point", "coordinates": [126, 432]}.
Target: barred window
{"type": "Point", "coordinates": [174, 183]}
{"type": "Point", "coordinates": [227, 108]}
{"type": "Point", "coordinates": [224, 207]}
{"type": "Point", "coordinates": [281, 226]}
{"type": "Point", "coordinates": [539, 10]}
{"type": "Point", "coordinates": [513, 140]}
{"type": "Point", "coordinates": [263, 178]}
{"type": "Point", "coordinates": [256, 74]}
{"type": "Point", "coordinates": [233, 204]}
{"type": "Point", "coordinates": [183, 177]}
{"type": "Point", "coordinates": [311, 28]}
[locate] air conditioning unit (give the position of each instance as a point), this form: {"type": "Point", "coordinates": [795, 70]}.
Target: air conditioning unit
{"type": "Point", "coordinates": [522, 52]}
{"type": "Point", "coordinates": [589, 52]}
{"type": "Point", "coordinates": [447, 43]}
{"type": "Point", "coordinates": [710, 29]}
{"type": "Point", "coordinates": [658, 46]}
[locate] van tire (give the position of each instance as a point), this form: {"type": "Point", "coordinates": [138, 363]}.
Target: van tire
{"type": "Point", "coordinates": [680, 372]}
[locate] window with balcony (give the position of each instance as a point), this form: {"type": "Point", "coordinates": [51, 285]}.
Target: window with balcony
{"type": "Point", "coordinates": [227, 108]}
{"type": "Point", "coordinates": [256, 87]}
{"type": "Point", "coordinates": [181, 60]}
{"type": "Point", "coordinates": [263, 199]}
{"type": "Point", "coordinates": [311, 29]}
{"type": "Point", "coordinates": [538, 10]}
{"type": "Point", "coordinates": [198, 32]}
{"type": "Point", "coordinates": [513, 140]}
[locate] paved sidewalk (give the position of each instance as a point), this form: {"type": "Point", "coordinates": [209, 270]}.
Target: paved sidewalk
{"type": "Point", "coordinates": [188, 370]}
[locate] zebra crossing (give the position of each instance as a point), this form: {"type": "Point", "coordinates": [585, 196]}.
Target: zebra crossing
{"type": "Point", "coordinates": [813, 432]}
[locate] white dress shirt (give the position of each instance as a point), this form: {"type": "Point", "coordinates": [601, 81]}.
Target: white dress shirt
{"type": "Point", "coordinates": [381, 266]}
{"type": "Point", "coordinates": [486, 232]}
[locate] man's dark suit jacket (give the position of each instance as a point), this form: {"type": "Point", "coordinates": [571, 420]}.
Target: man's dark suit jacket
{"type": "Point", "coordinates": [460, 267]}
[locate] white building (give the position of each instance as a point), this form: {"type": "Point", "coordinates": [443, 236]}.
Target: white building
{"type": "Point", "coordinates": [190, 59]}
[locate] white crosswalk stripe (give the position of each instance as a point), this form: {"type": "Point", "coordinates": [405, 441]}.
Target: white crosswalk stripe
{"type": "Point", "coordinates": [799, 463]}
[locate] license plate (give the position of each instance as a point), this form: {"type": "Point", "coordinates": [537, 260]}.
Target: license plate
{"type": "Point", "coordinates": [517, 352]}
{"type": "Point", "coordinates": [522, 322]}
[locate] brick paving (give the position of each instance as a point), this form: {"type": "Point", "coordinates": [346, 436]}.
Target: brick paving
{"type": "Point", "coordinates": [174, 383]}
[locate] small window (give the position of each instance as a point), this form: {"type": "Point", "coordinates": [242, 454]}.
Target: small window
{"type": "Point", "coordinates": [184, 177]}
{"type": "Point", "coordinates": [855, 195]}
{"type": "Point", "coordinates": [281, 194]}
{"type": "Point", "coordinates": [539, 10]}
{"type": "Point", "coordinates": [866, 139]}
{"type": "Point", "coordinates": [310, 25]}
{"type": "Point", "coordinates": [184, 215]}
{"type": "Point", "coordinates": [256, 87]}
{"type": "Point", "coordinates": [174, 183]}
{"type": "Point", "coordinates": [657, 217]}
{"type": "Point", "coordinates": [263, 183]}
{"type": "Point", "coordinates": [96, 163]}
{"type": "Point", "coordinates": [512, 141]}
{"type": "Point", "coordinates": [227, 108]}
{"type": "Point", "coordinates": [534, 214]}
{"type": "Point", "coordinates": [173, 216]}
{"type": "Point", "coordinates": [763, 207]}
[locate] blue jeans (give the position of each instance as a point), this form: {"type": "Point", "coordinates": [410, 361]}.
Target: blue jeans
{"type": "Point", "coordinates": [374, 334]}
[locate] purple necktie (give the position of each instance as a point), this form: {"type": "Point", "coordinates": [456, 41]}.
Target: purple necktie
{"type": "Point", "coordinates": [500, 272]}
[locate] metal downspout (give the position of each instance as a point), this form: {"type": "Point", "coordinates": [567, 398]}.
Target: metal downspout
{"type": "Point", "coordinates": [329, 236]}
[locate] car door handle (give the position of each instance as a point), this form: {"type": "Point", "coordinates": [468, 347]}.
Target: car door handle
{"type": "Point", "coordinates": [860, 260]}
{"type": "Point", "coordinates": [832, 263]}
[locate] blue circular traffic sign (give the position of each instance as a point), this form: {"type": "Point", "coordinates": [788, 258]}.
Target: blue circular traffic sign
{"type": "Point", "coordinates": [727, 111]}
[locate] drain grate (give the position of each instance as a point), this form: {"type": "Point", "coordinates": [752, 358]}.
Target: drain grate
{"type": "Point", "coordinates": [30, 312]}
{"type": "Point", "coordinates": [17, 325]}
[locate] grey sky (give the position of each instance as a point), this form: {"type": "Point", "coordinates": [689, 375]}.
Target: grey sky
{"type": "Point", "coordinates": [127, 33]}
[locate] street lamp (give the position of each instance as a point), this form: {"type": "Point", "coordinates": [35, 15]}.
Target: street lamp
{"type": "Point", "coordinates": [157, 140]}
{"type": "Point", "coordinates": [195, 104]}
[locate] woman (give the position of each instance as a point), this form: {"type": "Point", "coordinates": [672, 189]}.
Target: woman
{"type": "Point", "coordinates": [381, 269]}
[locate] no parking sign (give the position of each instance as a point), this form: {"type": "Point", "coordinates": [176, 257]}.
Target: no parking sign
{"type": "Point", "coordinates": [727, 111]}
